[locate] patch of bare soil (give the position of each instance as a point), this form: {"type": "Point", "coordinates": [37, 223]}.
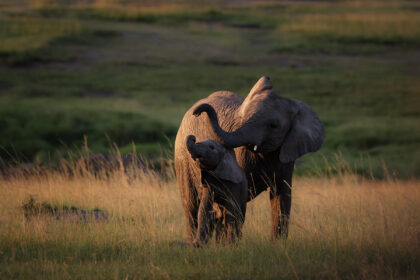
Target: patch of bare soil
{"type": "Point", "coordinates": [285, 61]}
{"type": "Point", "coordinates": [123, 49]}
{"type": "Point", "coordinates": [410, 60]}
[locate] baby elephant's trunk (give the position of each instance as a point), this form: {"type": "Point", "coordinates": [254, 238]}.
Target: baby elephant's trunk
{"type": "Point", "coordinates": [191, 146]}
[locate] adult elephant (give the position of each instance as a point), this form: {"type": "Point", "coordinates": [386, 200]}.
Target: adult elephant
{"type": "Point", "coordinates": [268, 132]}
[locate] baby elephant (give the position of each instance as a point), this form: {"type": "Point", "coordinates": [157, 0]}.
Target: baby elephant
{"type": "Point", "coordinates": [224, 191]}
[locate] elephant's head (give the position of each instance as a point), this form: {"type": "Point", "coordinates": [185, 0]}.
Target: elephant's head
{"type": "Point", "coordinates": [268, 122]}
{"type": "Point", "coordinates": [212, 156]}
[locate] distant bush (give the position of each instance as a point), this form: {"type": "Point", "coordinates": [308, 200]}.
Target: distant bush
{"type": "Point", "coordinates": [27, 134]}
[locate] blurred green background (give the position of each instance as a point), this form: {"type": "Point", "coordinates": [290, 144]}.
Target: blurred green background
{"type": "Point", "coordinates": [75, 73]}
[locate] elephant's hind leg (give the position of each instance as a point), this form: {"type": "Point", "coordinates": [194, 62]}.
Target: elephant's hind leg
{"type": "Point", "coordinates": [190, 202]}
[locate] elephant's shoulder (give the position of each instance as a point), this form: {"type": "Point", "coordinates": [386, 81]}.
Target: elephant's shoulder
{"type": "Point", "coordinates": [223, 99]}
{"type": "Point", "coordinates": [225, 95]}
{"type": "Point", "coordinates": [219, 100]}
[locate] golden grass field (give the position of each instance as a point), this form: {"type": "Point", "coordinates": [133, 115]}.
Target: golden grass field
{"type": "Point", "coordinates": [341, 228]}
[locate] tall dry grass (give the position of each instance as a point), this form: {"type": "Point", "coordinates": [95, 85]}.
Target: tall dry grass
{"type": "Point", "coordinates": [341, 227]}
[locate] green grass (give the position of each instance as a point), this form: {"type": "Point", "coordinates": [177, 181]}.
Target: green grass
{"type": "Point", "coordinates": [26, 33]}
{"type": "Point", "coordinates": [130, 72]}
{"type": "Point", "coordinates": [46, 134]}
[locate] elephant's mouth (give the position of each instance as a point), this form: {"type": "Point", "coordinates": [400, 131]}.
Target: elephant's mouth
{"type": "Point", "coordinates": [199, 160]}
{"type": "Point", "coordinates": [253, 147]}
{"type": "Point", "coordinates": [196, 157]}
{"type": "Point", "coordinates": [202, 163]}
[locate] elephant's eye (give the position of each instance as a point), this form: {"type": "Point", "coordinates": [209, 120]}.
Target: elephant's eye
{"type": "Point", "coordinates": [211, 147]}
{"type": "Point", "coordinates": [273, 125]}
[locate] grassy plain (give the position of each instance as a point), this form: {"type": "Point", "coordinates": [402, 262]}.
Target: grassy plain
{"type": "Point", "coordinates": [94, 73]}
{"type": "Point", "coordinates": [123, 72]}
{"type": "Point", "coordinates": [341, 228]}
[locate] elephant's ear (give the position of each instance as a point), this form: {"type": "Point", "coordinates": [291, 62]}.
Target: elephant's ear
{"type": "Point", "coordinates": [306, 133]}
{"type": "Point", "coordinates": [228, 169]}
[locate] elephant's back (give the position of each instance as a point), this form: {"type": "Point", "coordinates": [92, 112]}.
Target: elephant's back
{"type": "Point", "coordinates": [225, 104]}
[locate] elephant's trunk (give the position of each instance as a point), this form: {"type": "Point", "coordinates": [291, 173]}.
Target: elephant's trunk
{"type": "Point", "coordinates": [232, 139]}
{"type": "Point", "coordinates": [191, 145]}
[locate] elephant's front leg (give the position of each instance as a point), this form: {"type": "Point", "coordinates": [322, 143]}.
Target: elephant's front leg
{"type": "Point", "coordinates": [281, 201]}
{"type": "Point", "coordinates": [204, 218]}
{"type": "Point", "coordinates": [280, 214]}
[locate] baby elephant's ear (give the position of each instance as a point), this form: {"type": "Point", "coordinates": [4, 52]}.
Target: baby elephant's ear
{"type": "Point", "coordinates": [228, 169]}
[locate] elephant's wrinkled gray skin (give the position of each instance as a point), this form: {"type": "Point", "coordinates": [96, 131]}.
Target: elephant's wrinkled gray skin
{"type": "Point", "coordinates": [224, 191]}
{"type": "Point", "coordinates": [268, 132]}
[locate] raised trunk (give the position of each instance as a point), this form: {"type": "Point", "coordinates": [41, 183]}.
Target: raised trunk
{"type": "Point", "coordinates": [232, 139]}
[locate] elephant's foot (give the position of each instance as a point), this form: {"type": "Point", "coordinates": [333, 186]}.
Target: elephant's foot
{"type": "Point", "coordinates": [282, 229]}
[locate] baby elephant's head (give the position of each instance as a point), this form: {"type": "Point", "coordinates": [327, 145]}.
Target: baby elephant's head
{"type": "Point", "coordinates": [208, 153]}
{"type": "Point", "coordinates": [214, 157]}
